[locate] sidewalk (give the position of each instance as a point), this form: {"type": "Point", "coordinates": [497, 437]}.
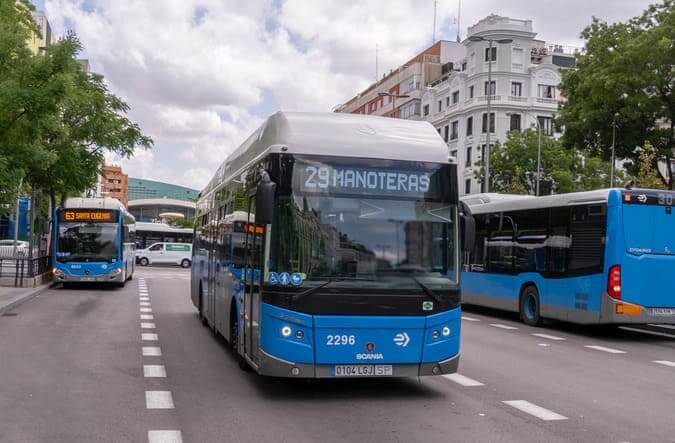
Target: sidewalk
{"type": "Point", "coordinates": [11, 297]}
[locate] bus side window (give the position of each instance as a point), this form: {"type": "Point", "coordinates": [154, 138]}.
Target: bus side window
{"type": "Point", "coordinates": [530, 242]}
{"type": "Point", "coordinates": [500, 243]}
{"type": "Point", "coordinates": [559, 240]}
{"type": "Point", "coordinates": [478, 255]}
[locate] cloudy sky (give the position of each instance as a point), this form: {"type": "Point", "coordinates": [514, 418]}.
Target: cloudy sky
{"type": "Point", "coordinates": [201, 75]}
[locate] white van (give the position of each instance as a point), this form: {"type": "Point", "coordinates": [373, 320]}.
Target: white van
{"type": "Point", "coordinates": [164, 252]}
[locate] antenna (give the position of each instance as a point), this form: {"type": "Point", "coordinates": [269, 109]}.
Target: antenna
{"type": "Point", "coordinates": [377, 73]}
{"type": "Point", "coordinates": [459, 16]}
{"type": "Point", "coordinates": [433, 35]}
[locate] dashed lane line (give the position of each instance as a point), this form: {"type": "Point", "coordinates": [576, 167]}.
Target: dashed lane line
{"type": "Point", "coordinates": [549, 337]}
{"type": "Point", "coordinates": [159, 400]}
{"type": "Point", "coordinates": [147, 317]}
{"type": "Point", "coordinates": [501, 326]}
{"type": "Point", "coordinates": [152, 351]}
{"type": "Point", "coordinates": [154, 371]}
{"type": "Point", "coordinates": [463, 380]}
{"type": "Point", "coordinates": [605, 349]}
{"type": "Point", "coordinates": [665, 363]}
{"type": "Point", "coordinates": [144, 299]}
{"type": "Point", "coordinates": [148, 325]}
{"type": "Point", "coordinates": [144, 303]}
{"type": "Point", "coordinates": [165, 436]}
{"type": "Point", "coordinates": [144, 309]}
{"type": "Point", "coordinates": [644, 331]}
{"type": "Point", "coordinates": [534, 410]}
{"type": "Point", "coordinates": [149, 337]}
{"type": "Point", "coordinates": [464, 317]}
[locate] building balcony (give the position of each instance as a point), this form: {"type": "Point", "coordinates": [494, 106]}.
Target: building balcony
{"type": "Point", "coordinates": [514, 98]}
{"type": "Point", "coordinates": [493, 98]}
{"type": "Point", "coordinates": [551, 101]}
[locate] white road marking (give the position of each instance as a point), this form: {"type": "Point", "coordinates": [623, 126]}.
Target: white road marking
{"type": "Point", "coordinates": [158, 371]}
{"type": "Point", "coordinates": [144, 303]}
{"type": "Point", "coordinates": [462, 380]}
{"type": "Point", "coordinates": [144, 299]}
{"type": "Point", "coordinates": [464, 317]}
{"type": "Point", "coordinates": [501, 326]}
{"type": "Point", "coordinates": [152, 351]}
{"type": "Point", "coordinates": [548, 337]}
{"type": "Point", "coordinates": [543, 345]}
{"type": "Point", "coordinates": [664, 326]}
{"type": "Point", "coordinates": [665, 363]}
{"type": "Point", "coordinates": [147, 326]}
{"type": "Point", "coordinates": [147, 317]}
{"type": "Point", "coordinates": [165, 437]}
{"type": "Point", "coordinates": [158, 400]}
{"type": "Point", "coordinates": [146, 309]}
{"type": "Point", "coordinates": [604, 349]}
{"type": "Point", "coordinates": [149, 337]}
{"type": "Point", "coordinates": [537, 411]}
{"type": "Point", "coordinates": [644, 331]}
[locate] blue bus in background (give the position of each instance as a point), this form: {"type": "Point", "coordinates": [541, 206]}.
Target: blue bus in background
{"type": "Point", "coordinates": [605, 256]}
{"type": "Point", "coordinates": [94, 241]}
{"type": "Point", "coordinates": [327, 245]}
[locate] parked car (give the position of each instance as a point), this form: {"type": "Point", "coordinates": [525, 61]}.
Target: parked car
{"type": "Point", "coordinates": [7, 248]}
{"type": "Point", "coordinates": [166, 253]}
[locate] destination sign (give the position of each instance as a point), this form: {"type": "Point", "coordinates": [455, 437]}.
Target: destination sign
{"type": "Point", "coordinates": [649, 197]}
{"type": "Point", "coordinates": [87, 216]}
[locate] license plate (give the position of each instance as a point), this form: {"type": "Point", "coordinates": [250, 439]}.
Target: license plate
{"type": "Point", "coordinates": [662, 311]}
{"type": "Point", "coordinates": [88, 279]}
{"type": "Point", "coordinates": [363, 370]}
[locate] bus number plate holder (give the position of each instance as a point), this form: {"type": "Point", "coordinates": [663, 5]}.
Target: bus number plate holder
{"type": "Point", "coordinates": [363, 370]}
{"type": "Point", "coordinates": [662, 311]}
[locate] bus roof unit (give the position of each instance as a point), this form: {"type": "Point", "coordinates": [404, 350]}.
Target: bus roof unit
{"type": "Point", "coordinates": [93, 203]}
{"type": "Point", "coordinates": [483, 203]}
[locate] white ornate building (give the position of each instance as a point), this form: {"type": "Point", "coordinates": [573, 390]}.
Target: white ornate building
{"type": "Point", "coordinates": [525, 87]}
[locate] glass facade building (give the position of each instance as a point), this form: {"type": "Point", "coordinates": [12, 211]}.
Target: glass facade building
{"type": "Point", "coordinates": [143, 189]}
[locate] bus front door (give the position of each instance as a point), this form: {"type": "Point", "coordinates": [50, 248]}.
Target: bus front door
{"type": "Point", "coordinates": [254, 239]}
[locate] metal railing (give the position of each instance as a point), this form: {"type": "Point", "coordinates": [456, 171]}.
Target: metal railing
{"type": "Point", "coordinates": [24, 268]}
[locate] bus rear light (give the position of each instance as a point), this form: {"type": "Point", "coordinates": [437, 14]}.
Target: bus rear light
{"type": "Point", "coordinates": [614, 282]}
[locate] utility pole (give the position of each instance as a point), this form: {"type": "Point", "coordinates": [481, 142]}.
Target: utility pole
{"type": "Point", "coordinates": [377, 73]}
{"type": "Point", "coordinates": [16, 217]}
{"type": "Point", "coordinates": [459, 16]}
{"type": "Point", "coordinates": [433, 34]}
{"type": "Point", "coordinates": [611, 168]}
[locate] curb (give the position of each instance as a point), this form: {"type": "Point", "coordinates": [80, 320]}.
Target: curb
{"type": "Point", "coordinates": [25, 298]}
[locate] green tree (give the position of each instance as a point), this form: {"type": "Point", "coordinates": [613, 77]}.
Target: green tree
{"type": "Point", "coordinates": [513, 165]}
{"type": "Point", "coordinates": [183, 223]}
{"type": "Point", "coordinates": [625, 79]}
{"type": "Point", "coordinates": [647, 177]}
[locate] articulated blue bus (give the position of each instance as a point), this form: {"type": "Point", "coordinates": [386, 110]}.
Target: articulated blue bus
{"type": "Point", "coordinates": [605, 256]}
{"type": "Point", "coordinates": [327, 245]}
{"type": "Point", "coordinates": [94, 241]}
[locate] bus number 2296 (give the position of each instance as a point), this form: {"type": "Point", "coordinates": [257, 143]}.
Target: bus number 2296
{"type": "Point", "coordinates": [340, 340]}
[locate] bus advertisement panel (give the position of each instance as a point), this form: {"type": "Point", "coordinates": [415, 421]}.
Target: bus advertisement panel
{"type": "Point", "coordinates": [93, 242]}
{"type": "Point", "coordinates": [603, 256]}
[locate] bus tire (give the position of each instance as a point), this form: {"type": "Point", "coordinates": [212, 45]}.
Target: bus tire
{"type": "Point", "coordinates": [202, 317]}
{"type": "Point", "coordinates": [530, 306]}
{"type": "Point", "coordinates": [185, 263]}
{"type": "Point", "coordinates": [143, 261]}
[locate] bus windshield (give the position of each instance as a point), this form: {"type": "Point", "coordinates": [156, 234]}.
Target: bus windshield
{"type": "Point", "coordinates": [369, 237]}
{"type": "Point", "coordinates": [87, 241]}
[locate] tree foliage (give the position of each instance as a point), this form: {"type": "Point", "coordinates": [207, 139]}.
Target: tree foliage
{"type": "Point", "coordinates": [513, 166]}
{"type": "Point", "coordinates": [625, 78]}
{"type": "Point", "coordinates": [646, 176]}
{"type": "Point", "coordinates": [56, 120]}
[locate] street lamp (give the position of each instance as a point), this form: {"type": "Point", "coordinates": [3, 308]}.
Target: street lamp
{"type": "Point", "coordinates": [478, 38]}
{"type": "Point", "coordinates": [611, 169]}
{"type": "Point", "coordinates": [536, 120]}
{"type": "Point", "coordinates": [394, 96]}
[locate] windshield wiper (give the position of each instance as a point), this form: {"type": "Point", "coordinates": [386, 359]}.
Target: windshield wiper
{"type": "Point", "coordinates": [427, 290]}
{"type": "Point", "coordinates": [310, 291]}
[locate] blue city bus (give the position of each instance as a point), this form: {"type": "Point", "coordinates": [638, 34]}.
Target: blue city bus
{"type": "Point", "coordinates": [94, 241]}
{"type": "Point", "coordinates": [327, 245]}
{"type": "Point", "coordinates": [605, 256]}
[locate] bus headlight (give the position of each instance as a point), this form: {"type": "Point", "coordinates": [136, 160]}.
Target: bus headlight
{"type": "Point", "coordinates": [116, 271]}
{"type": "Point", "coordinates": [446, 331]}
{"type": "Point", "coordinates": [286, 331]}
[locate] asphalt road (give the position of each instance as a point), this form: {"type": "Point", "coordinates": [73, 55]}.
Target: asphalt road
{"type": "Point", "coordinates": [72, 368]}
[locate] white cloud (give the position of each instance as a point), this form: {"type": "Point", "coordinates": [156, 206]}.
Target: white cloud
{"type": "Point", "coordinates": [201, 75]}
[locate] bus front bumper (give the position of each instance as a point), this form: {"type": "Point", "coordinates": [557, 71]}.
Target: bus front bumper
{"type": "Point", "coordinates": [114, 276]}
{"type": "Point", "coordinates": [618, 311]}
{"type": "Point", "coordinates": [276, 367]}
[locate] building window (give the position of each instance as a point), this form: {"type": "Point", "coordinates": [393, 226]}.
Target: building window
{"type": "Point", "coordinates": [491, 56]}
{"type": "Point", "coordinates": [409, 84]}
{"type": "Point", "coordinates": [438, 130]}
{"type": "Point", "coordinates": [546, 124]}
{"type": "Point", "coordinates": [467, 162]}
{"type": "Point", "coordinates": [485, 123]}
{"type": "Point", "coordinates": [471, 91]}
{"type": "Point", "coordinates": [467, 186]}
{"type": "Point", "coordinates": [447, 101]}
{"type": "Point", "coordinates": [516, 89]}
{"type": "Point", "coordinates": [493, 88]}
{"type": "Point", "coordinates": [455, 97]}
{"type": "Point", "coordinates": [515, 122]}
{"type": "Point", "coordinates": [472, 60]}
{"type": "Point", "coordinates": [463, 66]}
{"type": "Point", "coordinates": [453, 154]}
{"type": "Point", "coordinates": [445, 133]}
{"type": "Point", "coordinates": [440, 105]}
{"type": "Point", "coordinates": [469, 126]}
{"type": "Point", "coordinates": [454, 133]}
{"type": "Point", "coordinates": [546, 91]}
{"type": "Point", "coordinates": [517, 59]}
{"type": "Point", "coordinates": [410, 109]}
{"type": "Point", "coordinates": [426, 110]}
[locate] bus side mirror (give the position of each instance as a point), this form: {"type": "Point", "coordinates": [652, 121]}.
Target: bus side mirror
{"type": "Point", "coordinates": [468, 228]}
{"type": "Point", "coordinates": [264, 200]}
